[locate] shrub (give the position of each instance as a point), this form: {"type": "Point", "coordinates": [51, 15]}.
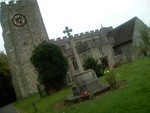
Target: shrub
{"type": "Point", "coordinates": [91, 63]}
{"type": "Point", "coordinates": [51, 65]}
{"type": "Point", "coordinates": [110, 78]}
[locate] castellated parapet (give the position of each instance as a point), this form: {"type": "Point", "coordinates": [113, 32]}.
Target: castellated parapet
{"type": "Point", "coordinates": [17, 3]}
{"type": "Point", "coordinates": [102, 32]}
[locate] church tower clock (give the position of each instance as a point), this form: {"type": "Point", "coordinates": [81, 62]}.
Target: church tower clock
{"type": "Point", "coordinates": [23, 30]}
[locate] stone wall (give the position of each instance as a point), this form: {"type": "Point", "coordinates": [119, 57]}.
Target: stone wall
{"type": "Point", "coordinates": [89, 44]}
{"type": "Point", "coordinates": [20, 42]}
{"type": "Point", "coordinates": [137, 38]}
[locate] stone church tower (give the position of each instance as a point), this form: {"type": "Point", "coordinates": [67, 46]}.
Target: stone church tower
{"type": "Point", "coordinates": [23, 30]}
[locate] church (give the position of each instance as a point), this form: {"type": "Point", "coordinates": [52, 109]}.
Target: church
{"type": "Point", "coordinates": [109, 46]}
{"type": "Point", "coordinates": [23, 30]}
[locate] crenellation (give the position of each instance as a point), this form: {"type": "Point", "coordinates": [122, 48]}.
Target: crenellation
{"type": "Point", "coordinates": [86, 34]}
{"type": "Point", "coordinates": [106, 29]}
{"type": "Point", "coordinates": [92, 32]}
{"type": "Point", "coordinates": [97, 32]}
{"type": "Point", "coordinates": [11, 2]}
{"type": "Point", "coordinates": [52, 40]}
{"type": "Point", "coordinates": [3, 4]}
{"type": "Point", "coordinates": [58, 39]}
{"type": "Point", "coordinates": [81, 35]}
{"type": "Point", "coordinates": [76, 35]}
{"type": "Point", "coordinates": [71, 36]}
{"type": "Point", "coordinates": [65, 38]}
{"type": "Point", "coordinates": [61, 39]}
{"type": "Point", "coordinates": [18, 2]}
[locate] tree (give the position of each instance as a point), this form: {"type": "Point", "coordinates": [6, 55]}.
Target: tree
{"type": "Point", "coordinates": [91, 63]}
{"type": "Point", "coordinates": [7, 93]}
{"type": "Point", "coordinates": [51, 65]}
{"type": "Point", "coordinates": [146, 41]}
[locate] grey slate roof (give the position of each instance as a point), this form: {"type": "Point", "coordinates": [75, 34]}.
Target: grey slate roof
{"type": "Point", "coordinates": [123, 33]}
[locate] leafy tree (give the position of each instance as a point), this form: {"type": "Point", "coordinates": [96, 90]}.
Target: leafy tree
{"type": "Point", "coordinates": [7, 93]}
{"type": "Point", "coordinates": [51, 65]}
{"type": "Point", "coordinates": [146, 41]}
{"type": "Point", "coordinates": [4, 67]}
{"type": "Point", "coordinates": [91, 63]}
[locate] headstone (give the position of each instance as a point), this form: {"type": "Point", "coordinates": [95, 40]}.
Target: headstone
{"type": "Point", "coordinates": [41, 90]}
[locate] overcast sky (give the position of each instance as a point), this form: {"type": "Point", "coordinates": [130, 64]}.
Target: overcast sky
{"type": "Point", "coordinates": [86, 15]}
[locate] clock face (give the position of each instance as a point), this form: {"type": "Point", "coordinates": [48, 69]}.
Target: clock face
{"type": "Point", "coordinates": [19, 20]}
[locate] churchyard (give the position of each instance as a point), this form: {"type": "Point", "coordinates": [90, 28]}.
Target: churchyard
{"type": "Point", "coordinates": [132, 96]}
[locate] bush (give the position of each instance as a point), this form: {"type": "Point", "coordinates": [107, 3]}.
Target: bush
{"type": "Point", "coordinates": [51, 65]}
{"type": "Point", "coordinates": [91, 63]}
{"type": "Point", "coordinates": [110, 78]}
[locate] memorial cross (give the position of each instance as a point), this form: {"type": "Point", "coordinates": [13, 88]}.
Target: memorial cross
{"type": "Point", "coordinates": [67, 30]}
{"type": "Point", "coordinates": [75, 54]}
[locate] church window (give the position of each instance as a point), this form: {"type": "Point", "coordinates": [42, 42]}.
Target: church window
{"type": "Point", "coordinates": [119, 51]}
{"type": "Point", "coordinates": [74, 64]}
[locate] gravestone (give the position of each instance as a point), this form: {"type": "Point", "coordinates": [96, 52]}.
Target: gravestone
{"type": "Point", "coordinates": [41, 90]}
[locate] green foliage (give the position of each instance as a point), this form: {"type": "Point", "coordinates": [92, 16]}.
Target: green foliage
{"type": "Point", "coordinates": [146, 42]}
{"type": "Point", "coordinates": [132, 97]}
{"type": "Point", "coordinates": [145, 37]}
{"type": "Point", "coordinates": [91, 63]}
{"type": "Point", "coordinates": [110, 78]}
{"type": "Point", "coordinates": [6, 89]}
{"type": "Point", "coordinates": [4, 67]}
{"type": "Point", "coordinates": [43, 105]}
{"type": "Point", "coordinates": [51, 65]}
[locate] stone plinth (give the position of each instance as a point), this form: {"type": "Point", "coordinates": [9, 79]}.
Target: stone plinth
{"type": "Point", "coordinates": [86, 81]}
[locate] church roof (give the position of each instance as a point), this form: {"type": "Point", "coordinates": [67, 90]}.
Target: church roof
{"type": "Point", "coordinates": [123, 33]}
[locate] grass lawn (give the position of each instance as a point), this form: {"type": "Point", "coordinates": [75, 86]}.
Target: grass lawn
{"type": "Point", "coordinates": [133, 97]}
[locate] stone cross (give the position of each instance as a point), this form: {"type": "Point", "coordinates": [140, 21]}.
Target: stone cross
{"type": "Point", "coordinates": [72, 46]}
{"type": "Point", "coordinates": [67, 30]}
